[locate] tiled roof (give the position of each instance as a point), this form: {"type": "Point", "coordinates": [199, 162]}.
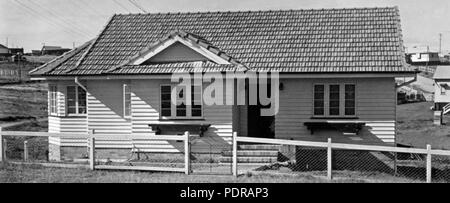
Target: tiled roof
{"type": "Point", "coordinates": [325, 40]}
{"type": "Point", "coordinates": [62, 63]}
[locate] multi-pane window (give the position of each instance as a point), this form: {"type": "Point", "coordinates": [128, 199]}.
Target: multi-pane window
{"type": "Point", "coordinates": [76, 100]}
{"type": "Point", "coordinates": [350, 102]}
{"type": "Point", "coordinates": [334, 100]}
{"type": "Point", "coordinates": [181, 109]}
{"type": "Point", "coordinates": [166, 104]}
{"type": "Point", "coordinates": [319, 100]}
{"type": "Point", "coordinates": [126, 100]}
{"type": "Point", "coordinates": [53, 99]}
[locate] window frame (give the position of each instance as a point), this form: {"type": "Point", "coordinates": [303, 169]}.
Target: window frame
{"type": "Point", "coordinates": [326, 113]}
{"type": "Point", "coordinates": [126, 87]}
{"type": "Point", "coordinates": [76, 101]}
{"type": "Point", "coordinates": [53, 102]}
{"type": "Point", "coordinates": [173, 107]}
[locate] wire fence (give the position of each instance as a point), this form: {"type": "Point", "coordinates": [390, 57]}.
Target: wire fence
{"type": "Point", "coordinates": [225, 156]}
{"type": "Point", "coordinates": [210, 156]}
{"type": "Point", "coordinates": [341, 161]}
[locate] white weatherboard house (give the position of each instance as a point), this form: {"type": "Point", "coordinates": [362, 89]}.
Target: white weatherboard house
{"type": "Point", "coordinates": [337, 72]}
{"type": "Point", "coordinates": [441, 92]}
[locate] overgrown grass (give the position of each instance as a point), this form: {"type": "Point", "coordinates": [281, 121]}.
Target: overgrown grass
{"type": "Point", "coordinates": [32, 173]}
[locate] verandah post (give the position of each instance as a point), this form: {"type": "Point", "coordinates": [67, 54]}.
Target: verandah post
{"type": "Point", "coordinates": [329, 160]}
{"type": "Point", "coordinates": [25, 150]}
{"type": "Point", "coordinates": [91, 150]}
{"type": "Point", "coordinates": [429, 164]}
{"type": "Point", "coordinates": [1, 146]}
{"type": "Point", "coordinates": [187, 153]}
{"type": "Point", "coordinates": [234, 161]}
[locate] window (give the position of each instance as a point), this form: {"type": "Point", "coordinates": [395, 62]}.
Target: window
{"type": "Point", "coordinates": [319, 100]}
{"type": "Point", "coordinates": [350, 102]}
{"type": "Point", "coordinates": [53, 99]}
{"type": "Point", "coordinates": [126, 101]}
{"type": "Point", "coordinates": [76, 100]}
{"type": "Point", "coordinates": [334, 100]}
{"type": "Point", "coordinates": [180, 109]}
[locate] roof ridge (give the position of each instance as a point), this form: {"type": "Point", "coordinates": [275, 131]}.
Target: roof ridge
{"type": "Point", "coordinates": [90, 47]}
{"type": "Point", "coordinates": [256, 11]}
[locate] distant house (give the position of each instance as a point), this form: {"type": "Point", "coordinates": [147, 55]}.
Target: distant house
{"type": "Point", "coordinates": [4, 53]}
{"type": "Point", "coordinates": [36, 52]}
{"type": "Point", "coordinates": [441, 87]}
{"type": "Point", "coordinates": [15, 51]}
{"type": "Point", "coordinates": [53, 50]}
{"type": "Point", "coordinates": [337, 72]}
{"type": "Point", "coordinates": [425, 58]}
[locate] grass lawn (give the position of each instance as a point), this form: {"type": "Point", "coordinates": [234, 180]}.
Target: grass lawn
{"type": "Point", "coordinates": [415, 127]}
{"type": "Point", "coordinates": [23, 102]}
{"type": "Point", "coordinates": [31, 173]}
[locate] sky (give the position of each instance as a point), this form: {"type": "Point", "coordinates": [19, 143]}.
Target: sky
{"type": "Point", "coordinates": [68, 23]}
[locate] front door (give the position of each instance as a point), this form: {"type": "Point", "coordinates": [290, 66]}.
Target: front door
{"type": "Point", "coordinates": [260, 126]}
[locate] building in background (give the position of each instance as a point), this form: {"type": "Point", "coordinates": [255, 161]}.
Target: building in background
{"type": "Point", "coordinates": [424, 58]}
{"type": "Point", "coordinates": [4, 53]}
{"type": "Point", "coordinates": [53, 50]}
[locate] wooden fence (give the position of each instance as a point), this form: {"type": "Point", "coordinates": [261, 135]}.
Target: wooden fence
{"type": "Point", "coordinates": [330, 146]}
{"type": "Point", "coordinates": [91, 137]}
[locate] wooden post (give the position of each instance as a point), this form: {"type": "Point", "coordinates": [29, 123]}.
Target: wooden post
{"type": "Point", "coordinates": [329, 160]}
{"type": "Point", "coordinates": [1, 146]}
{"type": "Point", "coordinates": [429, 164]}
{"type": "Point", "coordinates": [234, 161]}
{"type": "Point", "coordinates": [25, 150]}
{"type": "Point", "coordinates": [187, 154]}
{"type": "Point", "coordinates": [91, 150]}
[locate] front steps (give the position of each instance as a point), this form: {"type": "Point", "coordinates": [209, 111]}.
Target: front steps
{"type": "Point", "coordinates": [254, 154]}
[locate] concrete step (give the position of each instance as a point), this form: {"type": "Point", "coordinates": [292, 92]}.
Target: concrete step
{"type": "Point", "coordinates": [250, 159]}
{"type": "Point", "coordinates": [259, 147]}
{"type": "Point", "coordinates": [252, 153]}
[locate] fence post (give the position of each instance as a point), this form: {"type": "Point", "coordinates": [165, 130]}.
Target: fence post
{"type": "Point", "coordinates": [1, 146]}
{"type": "Point", "coordinates": [25, 150]}
{"type": "Point", "coordinates": [429, 164]}
{"type": "Point", "coordinates": [234, 167]}
{"type": "Point", "coordinates": [329, 160]}
{"type": "Point", "coordinates": [187, 153]}
{"type": "Point", "coordinates": [91, 150]}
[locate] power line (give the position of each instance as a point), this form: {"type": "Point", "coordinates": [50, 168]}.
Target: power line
{"type": "Point", "coordinates": [81, 30]}
{"type": "Point", "coordinates": [34, 13]}
{"type": "Point", "coordinates": [122, 6]}
{"type": "Point", "coordinates": [49, 20]}
{"type": "Point", "coordinates": [137, 6]}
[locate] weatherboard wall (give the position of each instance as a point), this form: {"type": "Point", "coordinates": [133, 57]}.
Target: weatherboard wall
{"type": "Point", "coordinates": [375, 105]}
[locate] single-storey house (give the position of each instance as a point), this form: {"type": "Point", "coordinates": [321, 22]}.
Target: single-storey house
{"type": "Point", "coordinates": [337, 70]}
{"type": "Point", "coordinates": [441, 87]}
{"type": "Point", "coordinates": [53, 50]}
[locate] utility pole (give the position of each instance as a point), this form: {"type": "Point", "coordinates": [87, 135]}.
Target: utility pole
{"type": "Point", "coordinates": [440, 43]}
{"type": "Point", "coordinates": [7, 41]}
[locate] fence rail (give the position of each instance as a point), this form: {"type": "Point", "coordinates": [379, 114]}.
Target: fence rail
{"type": "Point", "coordinates": [327, 149]}
{"type": "Point", "coordinates": [329, 146]}
{"type": "Point", "coordinates": [92, 137]}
